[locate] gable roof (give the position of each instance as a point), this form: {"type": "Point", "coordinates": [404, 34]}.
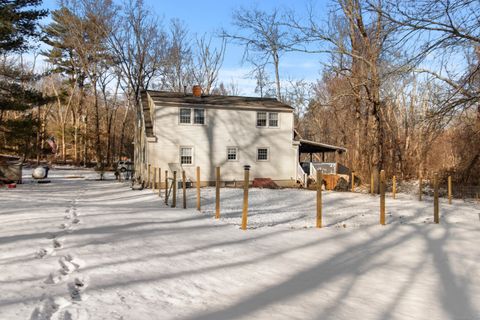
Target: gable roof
{"type": "Point", "coordinates": [218, 101]}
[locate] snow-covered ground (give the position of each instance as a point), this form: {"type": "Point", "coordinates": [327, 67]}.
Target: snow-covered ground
{"type": "Point", "coordinates": [78, 248]}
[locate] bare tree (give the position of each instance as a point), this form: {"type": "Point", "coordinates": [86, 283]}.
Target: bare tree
{"type": "Point", "coordinates": [445, 30]}
{"type": "Point", "coordinates": [178, 64]}
{"type": "Point", "coordinates": [264, 37]}
{"type": "Point", "coordinates": [207, 64]}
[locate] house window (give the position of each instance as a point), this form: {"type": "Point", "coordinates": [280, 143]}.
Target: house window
{"type": "Point", "coordinates": [232, 153]}
{"type": "Point", "coordinates": [262, 154]}
{"type": "Point", "coordinates": [185, 115]}
{"type": "Point", "coordinates": [273, 119]}
{"type": "Point", "coordinates": [267, 119]}
{"type": "Point", "coordinates": [186, 155]}
{"type": "Point", "coordinates": [261, 119]}
{"type": "Point", "coordinates": [199, 116]}
{"type": "Point", "coordinates": [192, 116]}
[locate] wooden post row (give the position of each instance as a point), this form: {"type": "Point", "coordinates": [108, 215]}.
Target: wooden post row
{"type": "Point", "coordinates": [449, 190]}
{"type": "Point", "coordinates": [246, 181]}
{"type": "Point", "coordinates": [382, 197]}
{"type": "Point", "coordinates": [217, 193]}
{"type": "Point", "coordinates": [436, 217]}
{"type": "Point", "coordinates": [184, 189]}
{"type": "Point", "coordinates": [319, 198]}
{"type": "Point", "coordinates": [174, 190]}
{"type": "Point", "coordinates": [198, 188]}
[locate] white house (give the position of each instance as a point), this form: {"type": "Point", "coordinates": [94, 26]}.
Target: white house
{"type": "Point", "coordinates": [180, 131]}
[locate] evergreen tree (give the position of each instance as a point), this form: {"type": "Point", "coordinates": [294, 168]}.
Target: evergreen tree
{"type": "Point", "coordinates": [18, 26]}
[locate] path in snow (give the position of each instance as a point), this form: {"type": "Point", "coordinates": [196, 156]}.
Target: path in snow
{"type": "Point", "coordinates": [134, 258]}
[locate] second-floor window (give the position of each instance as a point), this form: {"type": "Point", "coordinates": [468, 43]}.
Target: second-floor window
{"type": "Point", "coordinates": [267, 119]}
{"type": "Point", "coordinates": [192, 116]}
{"type": "Point", "coordinates": [185, 115]}
{"type": "Point", "coordinates": [199, 116]}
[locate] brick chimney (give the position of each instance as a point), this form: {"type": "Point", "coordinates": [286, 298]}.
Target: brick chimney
{"type": "Point", "coordinates": [197, 91]}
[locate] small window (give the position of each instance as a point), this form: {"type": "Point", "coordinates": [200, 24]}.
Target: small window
{"type": "Point", "coordinates": [261, 119]}
{"type": "Point", "coordinates": [186, 155]}
{"type": "Point", "coordinates": [185, 115]}
{"type": "Point", "coordinates": [273, 119]}
{"type": "Point", "coordinates": [262, 154]}
{"type": "Point", "coordinates": [232, 153]}
{"type": "Point", "coordinates": [199, 116]}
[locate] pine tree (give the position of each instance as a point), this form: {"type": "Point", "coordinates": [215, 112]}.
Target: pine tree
{"type": "Point", "coordinates": [18, 26]}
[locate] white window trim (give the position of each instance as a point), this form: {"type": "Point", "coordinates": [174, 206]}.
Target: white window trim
{"type": "Point", "coordinates": [267, 126]}
{"type": "Point", "coordinates": [180, 156]}
{"type": "Point", "coordinates": [192, 115]}
{"type": "Point", "coordinates": [236, 148]}
{"type": "Point", "coordinates": [204, 117]}
{"type": "Point", "coordinates": [268, 154]}
{"type": "Point", "coordinates": [180, 116]}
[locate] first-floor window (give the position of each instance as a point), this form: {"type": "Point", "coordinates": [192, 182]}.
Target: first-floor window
{"type": "Point", "coordinates": [232, 153]}
{"type": "Point", "coordinates": [186, 155]}
{"type": "Point", "coordinates": [262, 154]}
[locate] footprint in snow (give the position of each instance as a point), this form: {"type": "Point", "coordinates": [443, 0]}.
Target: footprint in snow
{"type": "Point", "coordinates": [76, 221]}
{"type": "Point", "coordinates": [78, 263]}
{"type": "Point", "coordinates": [77, 288]}
{"type": "Point", "coordinates": [73, 313]}
{"type": "Point", "coordinates": [66, 266]}
{"type": "Point", "coordinates": [40, 254]}
{"type": "Point", "coordinates": [49, 308]}
{"type": "Point", "coordinates": [57, 244]}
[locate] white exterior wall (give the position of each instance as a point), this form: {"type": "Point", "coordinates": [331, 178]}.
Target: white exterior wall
{"type": "Point", "coordinates": [223, 128]}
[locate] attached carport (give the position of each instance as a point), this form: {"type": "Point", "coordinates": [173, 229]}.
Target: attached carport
{"type": "Point", "coordinates": [312, 147]}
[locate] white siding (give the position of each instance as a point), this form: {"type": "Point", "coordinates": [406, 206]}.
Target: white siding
{"type": "Point", "coordinates": [223, 129]}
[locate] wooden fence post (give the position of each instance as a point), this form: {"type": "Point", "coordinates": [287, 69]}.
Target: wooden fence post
{"type": "Point", "coordinates": [382, 197]}
{"type": "Point", "coordinates": [372, 187]}
{"type": "Point", "coordinates": [319, 198]}
{"type": "Point", "coordinates": [449, 189]}
{"type": "Point", "coordinates": [246, 181]}
{"type": "Point", "coordinates": [198, 188]}
{"type": "Point", "coordinates": [420, 188]}
{"type": "Point", "coordinates": [148, 176]}
{"type": "Point", "coordinates": [184, 189]}
{"type": "Point", "coordinates": [174, 190]}
{"type": "Point", "coordinates": [154, 182]}
{"type": "Point", "coordinates": [353, 181]}
{"type": "Point", "coordinates": [166, 187]}
{"type": "Point", "coordinates": [159, 181]}
{"type": "Point", "coordinates": [394, 187]}
{"type": "Point", "coordinates": [436, 217]}
{"type": "Point", "coordinates": [217, 193]}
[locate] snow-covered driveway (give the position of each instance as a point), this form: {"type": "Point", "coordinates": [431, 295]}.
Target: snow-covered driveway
{"type": "Point", "coordinates": [85, 249]}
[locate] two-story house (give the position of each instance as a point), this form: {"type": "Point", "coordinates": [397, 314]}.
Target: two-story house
{"type": "Point", "coordinates": [181, 131]}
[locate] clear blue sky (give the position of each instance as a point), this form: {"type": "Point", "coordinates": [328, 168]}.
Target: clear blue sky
{"type": "Point", "coordinates": [208, 16]}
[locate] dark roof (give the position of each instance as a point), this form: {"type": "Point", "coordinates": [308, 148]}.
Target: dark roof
{"type": "Point", "coordinates": [307, 146]}
{"type": "Point", "coordinates": [177, 98]}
